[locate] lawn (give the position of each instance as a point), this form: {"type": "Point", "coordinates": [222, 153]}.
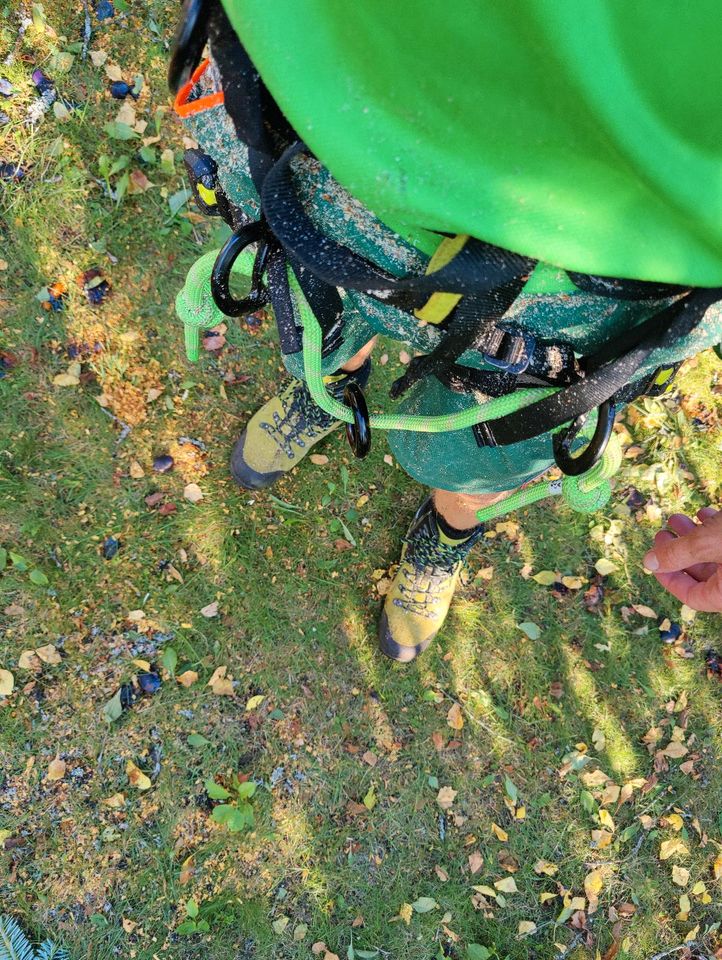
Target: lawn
{"type": "Point", "coordinates": [546, 782]}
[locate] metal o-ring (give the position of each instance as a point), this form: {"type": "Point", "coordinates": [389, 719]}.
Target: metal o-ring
{"type": "Point", "coordinates": [358, 433]}
{"type": "Point", "coordinates": [592, 453]}
{"type": "Point", "coordinates": [188, 44]}
{"type": "Point", "coordinates": [221, 274]}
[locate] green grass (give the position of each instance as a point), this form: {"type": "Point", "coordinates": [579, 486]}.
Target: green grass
{"type": "Point", "coordinates": [297, 624]}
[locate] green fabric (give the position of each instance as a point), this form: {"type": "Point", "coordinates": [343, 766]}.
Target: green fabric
{"type": "Point", "coordinates": [586, 135]}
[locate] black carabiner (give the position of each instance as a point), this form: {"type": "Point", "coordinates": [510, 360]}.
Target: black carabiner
{"type": "Point", "coordinates": [592, 453]}
{"type": "Point", "coordinates": [221, 275]}
{"type": "Point", "coordinates": [358, 433]}
{"type": "Point", "coordinates": [188, 43]}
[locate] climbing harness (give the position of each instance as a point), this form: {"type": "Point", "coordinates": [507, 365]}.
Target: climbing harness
{"type": "Point", "coordinates": [524, 386]}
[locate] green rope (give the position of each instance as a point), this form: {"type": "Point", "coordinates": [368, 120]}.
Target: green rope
{"type": "Point", "coordinates": [195, 305]}
{"type": "Point", "coordinates": [585, 493]}
{"type": "Point", "coordinates": [443, 423]}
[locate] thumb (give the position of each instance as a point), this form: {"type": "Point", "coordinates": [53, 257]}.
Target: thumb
{"type": "Point", "coordinates": [701, 545]}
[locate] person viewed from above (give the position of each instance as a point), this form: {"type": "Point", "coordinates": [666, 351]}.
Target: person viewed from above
{"type": "Point", "coordinates": [527, 195]}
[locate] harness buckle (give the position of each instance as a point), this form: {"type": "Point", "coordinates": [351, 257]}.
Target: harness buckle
{"type": "Point", "coordinates": [511, 352]}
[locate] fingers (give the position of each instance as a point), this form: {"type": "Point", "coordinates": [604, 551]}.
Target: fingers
{"type": "Point", "coordinates": [681, 524]}
{"type": "Point", "coordinates": [706, 513]}
{"type": "Point", "coordinates": [705, 597]}
{"type": "Point", "coordinates": [698, 545]}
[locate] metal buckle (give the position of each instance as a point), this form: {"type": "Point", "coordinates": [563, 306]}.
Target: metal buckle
{"type": "Point", "coordinates": [358, 433]}
{"type": "Point", "coordinates": [513, 353]}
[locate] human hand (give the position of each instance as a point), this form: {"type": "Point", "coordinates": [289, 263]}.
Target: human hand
{"type": "Point", "coordinates": [687, 559]}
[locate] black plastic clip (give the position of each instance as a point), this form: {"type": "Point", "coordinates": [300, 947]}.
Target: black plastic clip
{"type": "Point", "coordinates": [593, 452]}
{"type": "Point", "coordinates": [220, 277]}
{"type": "Point", "coordinates": [358, 433]}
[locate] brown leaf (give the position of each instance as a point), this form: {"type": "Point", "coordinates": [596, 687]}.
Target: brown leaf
{"type": "Point", "coordinates": [56, 769]}
{"type": "Point", "coordinates": [476, 862]}
{"type": "Point", "coordinates": [48, 654]}
{"type": "Point", "coordinates": [455, 717]}
{"type": "Point", "coordinates": [221, 683]}
{"type": "Point", "coordinates": [556, 690]}
{"type": "Point", "coordinates": [187, 678]}
{"type": "Point", "coordinates": [167, 509]}
{"type": "Point", "coordinates": [446, 797]}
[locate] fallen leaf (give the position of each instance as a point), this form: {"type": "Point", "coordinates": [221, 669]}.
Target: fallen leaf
{"type": "Point", "coordinates": [136, 777]}
{"type": "Point", "coordinates": [476, 862]}
{"type": "Point", "coordinates": [220, 683]}
{"type": "Point", "coordinates": [49, 654]}
{"type": "Point", "coordinates": [670, 848]}
{"type": "Point", "coordinates": [56, 769]}
{"type": "Point", "coordinates": [598, 739]}
{"type": "Point", "coordinates": [255, 702]}
{"type": "Point", "coordinates": [441, 873]}
{"type": "Point", "coordinates": [115, 802]}
{"type": "Point", "coordinates": [546, 868]}
{"type": "Point", "coordinates": [507, 885]}
{"type": "Point", "coordinates": [499, 833]}
{"type": "Point", "coordinates": [446, 797]}
{"type": "Point", "coordinates": [455, 718]}
{"type": "Point", "coordinates": [406, 912]}
{"type": "Point", "coordinates": [525, 928]}
{"type": "Point", "coordinates": [210, 610]}
{"type": "Point", "coordinates": [320, 459]}
{"type": "Point", "coordinates": [29, 660]}
{"type": "Point", "coordinates": [532, 630]}
{"type": "Point", "coordinates": [7, 683]}
{"type": "Point", "coordinates": [680, 876]}
{"type": "Point", "coordinates": [604, 567]}
{"type": "Point", "coordinates": [675, 750]}
{"type": "Point", "coordinates": [425, 905]}
{"type": "Point", "coordinates": [187, 678]}
{"type": "Point", "coordinates": [545, 577]}
{"type": "Point", "coordinates": [66, 380]}
{"type": "Point", "coordinates": [593, 884]}
{"type": "Point", "coordinates": [194, 494]}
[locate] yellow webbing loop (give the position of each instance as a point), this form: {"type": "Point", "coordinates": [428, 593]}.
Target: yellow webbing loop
{"type": "Point", "coordinates": [439, 305]}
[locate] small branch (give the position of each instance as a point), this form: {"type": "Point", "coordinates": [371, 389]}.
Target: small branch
{"type": "Point", "coordinates": [86, 33]}
{"type": "Point", "coordinates": [125, 427]}
{"type": "Point", "coordinates": [682, 946]}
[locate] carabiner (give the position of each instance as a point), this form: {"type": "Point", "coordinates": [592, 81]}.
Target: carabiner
{"type": "Point", "coordinates": [592, 453]}
{"type": "Point", "coordinates": [221, 275]}
{"type": "Point", "coordinates": [188, 43]}
{"type": "Point", "coordinates": [358, 433]}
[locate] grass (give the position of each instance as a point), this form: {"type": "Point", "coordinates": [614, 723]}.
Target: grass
{"type": "Point", "coordinates": [107, 869]}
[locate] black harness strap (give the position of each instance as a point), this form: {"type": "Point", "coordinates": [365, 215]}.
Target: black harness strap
{"type": "Point", "coordinates": [604, 380]}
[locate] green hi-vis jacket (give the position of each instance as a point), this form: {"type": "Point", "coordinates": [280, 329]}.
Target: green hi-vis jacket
{"type": "Point", "coordinates": [585, 134]}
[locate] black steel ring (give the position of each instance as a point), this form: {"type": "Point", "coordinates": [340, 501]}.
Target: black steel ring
{"type": "Point", "coordinates": [358, 433]}
{"type": "Point", "coordinates": [188, 43]}
{"type": "Point", "coordinates": [220, 277]}
{"type": "Point", "coordinates": [592, 453]}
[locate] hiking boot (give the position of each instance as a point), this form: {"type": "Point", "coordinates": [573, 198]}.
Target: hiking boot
{"type": "Point", "coordinates": [420, 596]}
{"type": "Point", "coordinates": [281, 433]}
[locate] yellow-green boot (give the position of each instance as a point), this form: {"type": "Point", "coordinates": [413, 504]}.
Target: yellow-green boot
{"type": "Point", "coordinates": [281, 433]}
{"type": "Point", "coordinates": [420, 596]}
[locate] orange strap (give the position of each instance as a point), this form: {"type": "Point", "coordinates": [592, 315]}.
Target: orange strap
{"type": "Point", "coordinates": [185, 107]}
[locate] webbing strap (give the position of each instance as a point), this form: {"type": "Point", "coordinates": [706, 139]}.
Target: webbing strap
{"type": "Point", "coordinates": [439, 305]}
{"type": "Point", "coordinates": [662, 330]}
{"type": "Point", "coordinates": [478, 268]}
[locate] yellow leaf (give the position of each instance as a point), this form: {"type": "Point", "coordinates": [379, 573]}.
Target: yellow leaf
{"type": "Point", "coordinates": [578, 903]}
{"type": "Point", "coordinates": [525, 928]}
{"type": "Point", "coordinates": [520, 813]}
{"type": "Point", "coordinates": [319, 459]}
{"type": "Point", "coordinates": [56, 769]}
{"type": "Point", "coordinates": [136, 777]}
{"type": "Point", "coordinates": [546, 868]}
{"type": "Point", "coordinates": [507, 885]}
{"type": "Point", "coordinates": [48, 654]}
{"type": "Point", "coordinates": [644, 611]}
{"type": "Point", "coordinates": [680, 876]}
{"type": "Point", "coordinates": [598, 739]}
{"type": "Point", "coordinates": [7, 683]}
{"type": "Point", "coordinates": [135, 470]}
{"type": "Point", "coordinates": [595, 779]}
{"type": "Point", "coordinates": [255, 702]}
{"type": "Point", "coordinates": [141, 664]}
{"type": "Point", "coordinates": [675, 750]}
{"type": "Point", "coordinates": [115, 802]}
{"type": "Point", "coordinates": [593, 883]}
{"type": "Point", "coordinates": [485, 891]}
{"type": "Point", "coordinates": [605, 820]}
{"type": "Point", "coordinates": [674, 821]}
{"type": "Point", "coordinates": [545, 577]}
{"type": "Point", "coordinates": [455, 718]}
{"type": "Point", "coordinates": [66, 380]}
{"type": "Point", "coordinates": [546, 897]}
{"type": "Point", "coordinates": [573, 583]}
{"type": "Point", "coordinates": [446, 797]}
{"type": "Point", "coordinates": [692, 935]}
{"type": "Point", "coordinates": [604, 567]}
{"type": "Point", "coordinates": [220, 683]}
{"type": "Point", "coordinates": [187, 678]}
{"type": "Point", "coordinates": [699, 888]}
{"type": "Point", "coordinates": [717, 867]}
{"type": "Point", "coordinates": [499, 833]}
{"type": "Point", "coordinates": [29, 661]}
{"type": "Point", "coordinates": [669, 848]}
{"type": "Point", "coordinates": [684, 907]}
{"type": "Point", "coordinates": [601, 839]}
{"type": "Point", "coordinates": [406, 912]}
{"type": "Point", "coordinates": [610, 794]}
